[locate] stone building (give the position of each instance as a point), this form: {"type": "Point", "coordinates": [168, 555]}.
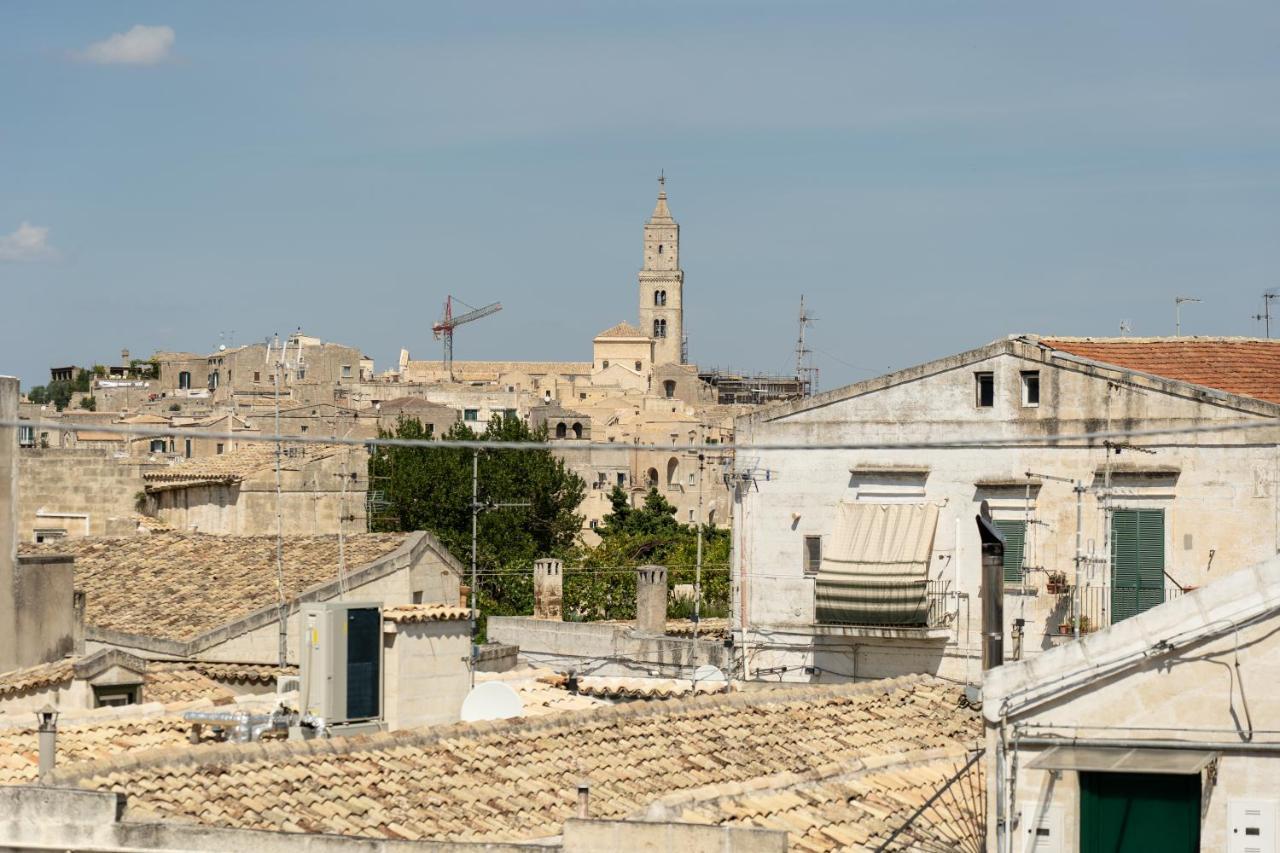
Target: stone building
{"type": "Point", "coordinates": [662, 284]}
{"type": "Point", "coordinates": [1155, 733]}
{"type": "Point", "coordinates": [322, 491]}
{"type": "Point", "coordinates": [862, 563]}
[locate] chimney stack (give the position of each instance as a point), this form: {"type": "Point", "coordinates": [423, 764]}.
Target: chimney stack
{"type": "Point", "coordinates": [47, 741]}
{"type": "Point", "coordinates": [992, 590]}
{"type": "Point", "coordinates": [651, 600]}
{"type": "Point", "coordinates": [548, 589]}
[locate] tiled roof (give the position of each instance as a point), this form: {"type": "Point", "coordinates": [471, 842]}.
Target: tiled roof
{"type": "Point", "coordinates": [180, 684]}
{"type": "Point", "coordinates": [516, 779]}
{"type": "Point", "coordinates": [179, 585]}
{"type": "Point", "coordinates": [239, 464]}
{"type": "Point", "coordinates": [37, 677]}
{"type": "Point", "coordinates": [622, 330]}
{"type": "Point", "coordinates": [646, 688]}
{"type": "Point", "coordinates": [425, 613]}
{"type": "Point", "coordinates": [1249, 367]}
{"type": "Point", "coordinates": [541, 692]}
{"type": "Point", "coordinates": [88, 742]}
{"type": "Point", "coordinates": [886, 807]}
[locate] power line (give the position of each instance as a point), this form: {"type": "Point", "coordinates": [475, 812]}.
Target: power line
{"type": "Point", "coordinates": [493, 444]}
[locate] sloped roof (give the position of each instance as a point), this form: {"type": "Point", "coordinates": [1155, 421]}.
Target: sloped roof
{"type": "Point", "coordinates": [37, 677]}
{"type": "Point", "coordinates": [240, 464]}
{"type": "Point", "coordinates": [1249, 367]}
{"type": "Point", "coordinates": [411, 613]}
{"type": "Point", "coordinates": [516, 779]}
{"type": "Point", "coordinates": [934, 804]}
{"type": "Point", "coordinates": [622, 330]}
{"type": "Point", "coordinates": [178, 586]}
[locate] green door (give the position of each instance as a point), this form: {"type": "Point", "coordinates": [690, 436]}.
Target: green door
{"type": "Point", "coordinates": [1015, 537]}
{"type": "Point", "coordinates": [1137, 561]}
{"type": "Point", "coordinates": [1139, 813]}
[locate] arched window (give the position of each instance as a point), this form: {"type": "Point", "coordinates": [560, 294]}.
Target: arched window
{"type": "Point", "coordinates": [637, 364]}
{"type": "Point", "coordinates": [711, 516]}
{"type": "Point", "coordinates": [651, 478]}
{"type": "Point", "coordinates": [659, 328]}
{"type": "Point", "coordinates": [669, 388]}
{"type": "Point", "coordinates": [577, 430]}
{"type": "Point", "coordinates": [604, 365]}
{"type": "Point", "coordinates": [659, 248]}
{"type": "Point", "coordinates": [184, 379]}
{"type": "Point", "coordinates": [561, 430]}
{"type": "Point", "coordinates": [673, 471]}
{"type": "Point", "coordinates": [659, 297]}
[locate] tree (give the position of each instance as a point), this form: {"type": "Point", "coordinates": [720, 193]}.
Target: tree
{"type": "Point", "coordinates": [429, 488]}
{"type": "Point", "coordinates": [90, 403]}
{"type": "Point", "coordinates": [59, 391]}
{"type": "Point", "coordinates": [602, 584]}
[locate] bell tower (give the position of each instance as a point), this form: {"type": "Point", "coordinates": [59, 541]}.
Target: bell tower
{"type": "Point", "coordinates": [662, 283]}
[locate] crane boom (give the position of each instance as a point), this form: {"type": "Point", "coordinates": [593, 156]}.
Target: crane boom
{"type": "Point", "coordinates": [443, 328]}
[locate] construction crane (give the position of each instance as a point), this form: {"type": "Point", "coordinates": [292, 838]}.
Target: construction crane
{"type": "Point", "coordinates": [443, 329]}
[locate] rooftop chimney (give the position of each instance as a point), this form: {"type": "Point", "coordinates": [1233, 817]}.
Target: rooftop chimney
{"type": "Point", "coordinates": [548, 589]}
{"type": "Point", "coordinates": [992, 590]}
{"type": "Point", "coordinates": [651, 600]}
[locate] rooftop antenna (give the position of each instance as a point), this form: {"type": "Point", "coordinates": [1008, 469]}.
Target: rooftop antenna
{"type": "Point", "coordinates": [281, 363]}
{"type": "Point", "coordinates": [1265, 316]}
{"type": "Point", "coordinates": [1177, 312]}
{"type": "Point", "coordinates": [804, 356]}
{"type": "Point", "coordinates": [1126, 328]}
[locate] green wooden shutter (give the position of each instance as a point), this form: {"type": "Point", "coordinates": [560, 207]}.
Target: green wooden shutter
{"type": "Point", "coordinates": [1137, 561]}
{"type": "Point", "coordinates": [1015, 537]}
{"type": "Point", "coordinates": [1151, 558]}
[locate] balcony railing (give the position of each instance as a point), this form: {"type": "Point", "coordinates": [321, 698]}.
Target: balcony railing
{"type": "Point", "coordinates": [1099, 604]}
{"type": "Point", "coordinates": [882, 604]}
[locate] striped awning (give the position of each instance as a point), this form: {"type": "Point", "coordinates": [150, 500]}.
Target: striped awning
{"type": "Point", "coordinates": [875, 570]}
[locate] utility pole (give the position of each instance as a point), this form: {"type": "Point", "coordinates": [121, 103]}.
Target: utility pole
{"type": "Point", "coordinates": [478, 507]}
{"type": "Point", "coordinates": [697, 570]}
{"type": "Point", "coordinates": [1177, 312]}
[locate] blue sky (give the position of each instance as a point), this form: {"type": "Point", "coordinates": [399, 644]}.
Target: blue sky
{"type": "Point", "coordinates": [930, 175]}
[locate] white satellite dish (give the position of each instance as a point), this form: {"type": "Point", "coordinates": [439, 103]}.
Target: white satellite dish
{"type": "Point", "coordinates": [709, 674]}
{"type": "Point", "coordinates": [492, 700]}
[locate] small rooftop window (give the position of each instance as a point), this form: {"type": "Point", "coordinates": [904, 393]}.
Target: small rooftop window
{"type": "Point", "coordinates": [985, 383]}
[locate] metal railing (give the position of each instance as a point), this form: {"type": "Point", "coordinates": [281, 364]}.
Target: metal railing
{"type": "Point", "coordinates": [862, 603]}
{"type": "Point", "coordinates": [1098, 605]}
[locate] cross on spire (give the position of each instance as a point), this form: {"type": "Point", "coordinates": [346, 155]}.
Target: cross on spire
{"type": "Point", "coordinates": [662, 179]}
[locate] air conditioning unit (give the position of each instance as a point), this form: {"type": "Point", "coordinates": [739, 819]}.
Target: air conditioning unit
{"type": "Point", "coordinates": [341, 657]}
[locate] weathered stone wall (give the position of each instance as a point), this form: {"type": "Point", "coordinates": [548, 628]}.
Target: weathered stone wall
{"type": "Point", "coordinates": [76, 490]}
{"type": "Point", "coordinates": [1217, 492]}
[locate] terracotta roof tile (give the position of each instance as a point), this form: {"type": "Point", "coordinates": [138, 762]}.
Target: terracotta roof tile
{"type": "Point", "coordinates": [239, 464]}
{"type": "Point", "coordinates": [1249, 367]}
{"type": "Point", "coordinates": [516, 779]}
{"type": "Point", "coordinates": [180, 585]}
{"type": "Point", "coordinates": [622, 330]}
{"type": "Point", "coordinates": [425, 613]}
{"type": "Point", "coordinates": [36, 677]}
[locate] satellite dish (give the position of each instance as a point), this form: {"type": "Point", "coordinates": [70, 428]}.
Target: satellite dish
{"type": "Point", "coordinates": [708, 674]}
{"type": "Point", "coordinates": [492, 700]}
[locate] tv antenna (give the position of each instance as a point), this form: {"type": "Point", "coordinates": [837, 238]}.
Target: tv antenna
{"type": "Point", "coordinates": [443, 329]}
{"type": "Point", "coordinates": [1177, 312]}
{"type": "Point", "coordinates": [1265, 316]}
{"type": "Point", "coordinates": [804, 356]}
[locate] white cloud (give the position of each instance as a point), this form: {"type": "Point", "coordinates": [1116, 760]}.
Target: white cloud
{"type": "Point", "coordinates": [28, 243]}
{"type": "Point", "coordinates": [141, 45]}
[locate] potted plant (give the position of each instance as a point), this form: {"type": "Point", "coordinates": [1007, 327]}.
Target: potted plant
{"type": "Point", "coordinates": [1056, 583]}
{"type": "Point", "coordinates": [1064, 628]}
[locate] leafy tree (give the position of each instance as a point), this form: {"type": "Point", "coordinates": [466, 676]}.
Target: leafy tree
{"type": "Point", "coordinates": [90, 403]}
{"type": "Point", "coordinates": [59, 391]}
{"type": "Point", "coordinates": [602, 584]}
{"type": "Point", "coordinates": [429, 488]}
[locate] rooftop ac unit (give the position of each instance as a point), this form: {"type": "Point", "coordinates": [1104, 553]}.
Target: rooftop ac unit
{"type": "Point", "coordinates": [341, 655]}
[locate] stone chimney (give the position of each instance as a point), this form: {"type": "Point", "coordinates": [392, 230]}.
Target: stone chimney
{"type": "Point", "coordinates": [651, 600]}
{"type": "Point", "coordinates": [548, 589]}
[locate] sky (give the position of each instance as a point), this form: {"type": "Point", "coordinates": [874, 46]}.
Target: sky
{"type": "Point", "coordinates": [930, 175]}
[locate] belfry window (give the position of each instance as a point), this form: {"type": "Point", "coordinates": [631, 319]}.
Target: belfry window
{"type": "Point", "coordinates": [659, 328]}
{"type": "Point", "coordinates": [659, 297]}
